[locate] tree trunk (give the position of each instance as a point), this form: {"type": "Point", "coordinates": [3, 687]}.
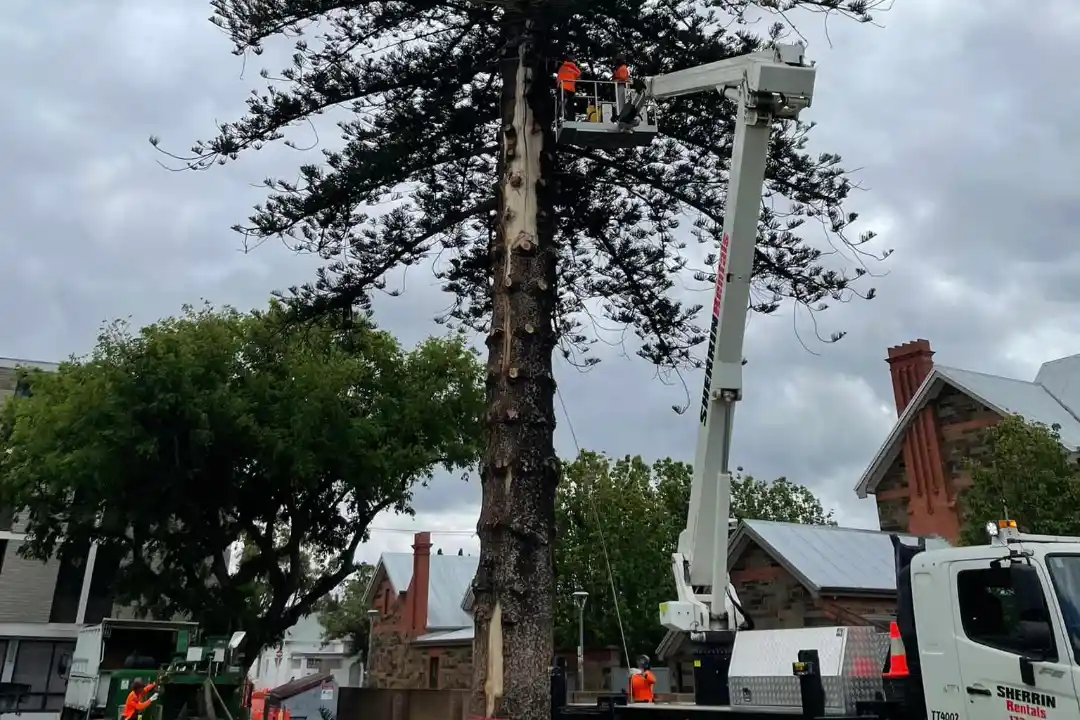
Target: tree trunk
{"type": "Point", "coordinates": [514, 586]}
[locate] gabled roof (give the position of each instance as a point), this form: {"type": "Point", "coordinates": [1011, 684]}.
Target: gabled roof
{"type": "Point", "coordinates": [1005, 396]}
{"type": "Point", "coordinates": [825, 558]}
{"type": "Point", "coordinates": [449, 581]}
{"type": "Point", "coordinates": [398, 569]}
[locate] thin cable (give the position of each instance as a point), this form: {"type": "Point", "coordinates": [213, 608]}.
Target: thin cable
{"type": "Point", "coordinates": [600, 529]}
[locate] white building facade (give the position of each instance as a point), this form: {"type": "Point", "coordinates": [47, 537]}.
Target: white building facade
{"type": "Point", "coordinates": [304, 653]}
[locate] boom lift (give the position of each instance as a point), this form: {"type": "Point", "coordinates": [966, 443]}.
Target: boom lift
{"type": "Point", "coordinates": [767, 86]}
{"type": "Point", "coordinates": [990, 632]}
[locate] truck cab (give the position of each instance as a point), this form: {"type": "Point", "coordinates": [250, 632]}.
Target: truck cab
{"type": "Point", "coordinates": [995, 628]}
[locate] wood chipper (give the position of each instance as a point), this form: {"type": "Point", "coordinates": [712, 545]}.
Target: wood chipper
{"type": "Point", "coordinates": [194, 678]}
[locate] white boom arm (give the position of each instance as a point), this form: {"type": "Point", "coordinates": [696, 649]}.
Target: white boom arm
{"type": "Point", "coordinates": [769, 85]}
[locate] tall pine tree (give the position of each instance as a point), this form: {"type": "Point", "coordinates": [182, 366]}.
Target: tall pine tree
{"type": "Point", "coordinates": [452, 108]}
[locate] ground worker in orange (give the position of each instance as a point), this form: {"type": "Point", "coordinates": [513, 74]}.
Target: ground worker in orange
{"type": "Point", "coordinates": [136, 700]}
{"type": "Point", "coordinates": [621, 76]}
{"type": "Point", "coordinates": [567, 76]}
{"type": "Point", "coordinates": [642, 680]}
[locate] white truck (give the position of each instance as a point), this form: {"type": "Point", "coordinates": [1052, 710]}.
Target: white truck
{"type": "Point", "coordinates": [118, 645]}
{"type": "Point", "coordinates": [991, 632]}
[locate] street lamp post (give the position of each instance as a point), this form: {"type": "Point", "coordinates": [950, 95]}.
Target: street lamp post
{"type": "Point", "coordinates": [580, 596]}
{"type": "Point", "coordinates": [372, 616]}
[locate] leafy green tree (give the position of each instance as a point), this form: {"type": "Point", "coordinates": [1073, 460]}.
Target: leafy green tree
{"type": "Point", "coordinates": [614, 505]}
{"type": "Point", "coordinates": [172, 444]}
{"type": "Point", "coordinates": [452, 109]}
{"type": "Point", "coordinates": [780, 500]}
{"type": "Point", "coordinates": [636, 511]}
{"type": "Point", "coordinates": [344, 615]}
{"type": "Point", "coordinates": [1023, 470]}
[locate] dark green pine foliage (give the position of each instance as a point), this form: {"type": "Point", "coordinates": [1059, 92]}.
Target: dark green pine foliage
{"type": "Point", "coordinates": [452, 106]}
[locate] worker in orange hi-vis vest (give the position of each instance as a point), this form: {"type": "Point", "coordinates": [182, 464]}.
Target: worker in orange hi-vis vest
{"type": "Point", "coordinates": [621, 76]}
{"type": "Point", "coordinates": [567, 76]}
{"type": "Point", "coordinates": [642, 680]}
{"type": "Point", "coordinates": [136, 700]}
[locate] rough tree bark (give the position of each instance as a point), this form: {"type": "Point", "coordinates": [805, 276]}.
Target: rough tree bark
{"type": "Point", "coordinates": [514, 585]}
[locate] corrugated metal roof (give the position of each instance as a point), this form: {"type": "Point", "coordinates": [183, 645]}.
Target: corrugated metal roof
{"type": "Point", "coordinates": [450, 577]}
{"type": "Point", "coordinates": [398, 568]}
{"type": "Point", "coordinates": [446, 636]}
{"type": "Point", "coordinates": [829, 557]}
{"type": "Point", "coordinates": [1017, 397]}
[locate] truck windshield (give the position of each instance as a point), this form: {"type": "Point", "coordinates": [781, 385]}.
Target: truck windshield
{"type": "Point", "coordinates": [1065, 575]}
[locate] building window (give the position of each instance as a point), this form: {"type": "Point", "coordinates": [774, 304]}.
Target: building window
{"type": "Point", "coordinates": [294, 663]}
{"type": "Point", "coordinates": [991, 611]}
{"type": "Point", "coordinates": [43, 667]}
{"type": "Point", "coordinates": [7, 519]}
{"type": "Point", "coordinates": [331, 664]}
{"type": "Point", "coordinates": [386, 601]}
{"type": "Point", "coordinates": [313, 663]}
{"type": "Point", "coordinates": [433, 672]}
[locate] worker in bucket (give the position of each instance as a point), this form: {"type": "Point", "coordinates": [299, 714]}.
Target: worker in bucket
{"type": "Point", "coordinates": [567, 76]}
{"type": "Point", "coordinates": [642, 680]}
{"type": "Point", "coordinates": [621, 76]}
{"type": "Point", "coordinates": [136, 700]}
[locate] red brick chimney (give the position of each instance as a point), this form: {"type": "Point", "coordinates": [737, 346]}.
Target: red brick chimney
{"type": "Point", "coordinates": [421, 576]}
{"type": "Point", "coordinates": [909, 364]}
{"type": "Point", "coordinates": [931, 505]}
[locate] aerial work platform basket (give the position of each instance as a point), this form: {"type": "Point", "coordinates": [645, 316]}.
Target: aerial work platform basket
{"type": "Point", "coordinates": [590, 116]}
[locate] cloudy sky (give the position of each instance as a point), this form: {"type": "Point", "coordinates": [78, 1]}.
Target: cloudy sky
{"type": "Point", "coordinates": [951, 110]}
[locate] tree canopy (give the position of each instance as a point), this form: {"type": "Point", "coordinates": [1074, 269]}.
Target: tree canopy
{"type": "Point", "coordinates": [425, 88]}
{"type": "Point", "coordinates": [1021, 469]}
{"type": "Point", "coordinates": [169, 445]}
{"type": "Point", "coordinates": [636, 511]}
{"type": "Point", "coordinates": [780, 500]}
{"type": "Point", "coordinates": [449, 156]}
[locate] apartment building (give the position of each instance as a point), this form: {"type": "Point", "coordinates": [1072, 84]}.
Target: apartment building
{"type": "Point", "coordinates": [42, 605]}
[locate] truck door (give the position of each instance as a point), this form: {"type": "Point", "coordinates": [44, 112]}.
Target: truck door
{"type": "Point", "coordinates": [1014, 660]}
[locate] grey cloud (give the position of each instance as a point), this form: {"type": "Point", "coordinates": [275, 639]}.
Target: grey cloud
{"type": "Point", "coordinates": [960, 116]}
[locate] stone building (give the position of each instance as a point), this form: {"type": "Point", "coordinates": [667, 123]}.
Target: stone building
{"type": "Point", "coordinates": [422, 636]}
{"type": "Point", "coordinates": [917, 475]}
{"type": "Point", "coordinates": [789, 575]}
{"type": "Point", "coordinates": [423, 633]}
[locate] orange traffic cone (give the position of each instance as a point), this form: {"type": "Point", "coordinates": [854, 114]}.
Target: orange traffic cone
{"type": "Point", "coordinates": [898, 667]}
